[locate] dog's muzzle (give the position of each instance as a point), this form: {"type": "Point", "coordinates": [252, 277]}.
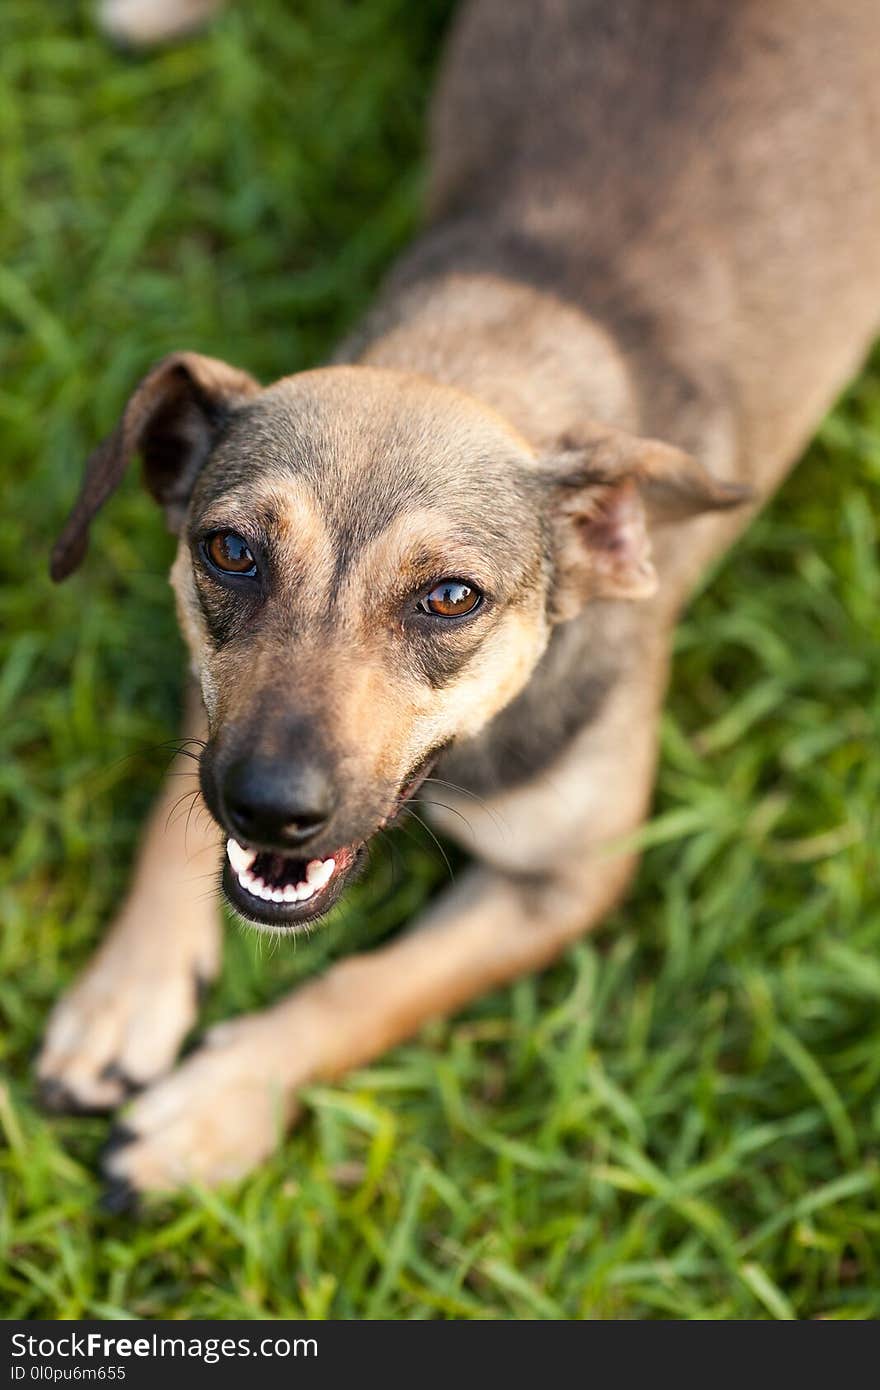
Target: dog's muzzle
{"type": "Point", "coordinates": [283, 886]}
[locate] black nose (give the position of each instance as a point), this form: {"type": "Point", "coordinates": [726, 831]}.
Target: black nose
{"type": "Point", "coordinates": [277, 804]}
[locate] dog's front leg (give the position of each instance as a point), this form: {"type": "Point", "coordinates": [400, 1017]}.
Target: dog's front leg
{"type": "Point", "coordinates": [226, 1107]}
{"type": "Point", "coordinates": [121, 1024]}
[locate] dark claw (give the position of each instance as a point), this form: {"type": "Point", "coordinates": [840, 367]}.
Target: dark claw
{"type": "Point", "coordinates": [54, 1096]}
{"type": "Point", "coordinates": [120, 1136]}
{"type": "Point", "coordinates": [113, 1072]}
{"type": "Point", "coordinates": [118, 1196]}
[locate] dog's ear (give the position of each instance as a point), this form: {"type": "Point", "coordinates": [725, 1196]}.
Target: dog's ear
{"type": "Point", "coordinates": [607, 486]}
{"type": "Point", "coordinates": [172, 421]}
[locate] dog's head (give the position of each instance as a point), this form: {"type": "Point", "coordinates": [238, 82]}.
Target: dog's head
{"type": "Point", "coordinates": [369, 568]}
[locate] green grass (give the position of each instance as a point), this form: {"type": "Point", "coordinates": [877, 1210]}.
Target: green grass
{"type": "Point", "coordinates": [682, 1119]}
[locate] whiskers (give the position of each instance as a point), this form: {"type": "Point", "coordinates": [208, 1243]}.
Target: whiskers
{"type": "Point", "coordinates": [407, 807]}
{"type": "Point", "coordinates": [191, 748]}
{"type": "Point", "coordinates": [494, 815]}
{"type": "Point", "coordinates": [266, 937]}
{"type": "Point", "coordinates": [186, 804]}
{"type": "Point", "coordinates": [423, 801]}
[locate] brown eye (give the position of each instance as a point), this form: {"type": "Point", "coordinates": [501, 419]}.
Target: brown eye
{"type": "Point", "coordinates": [451, 598]}
{"type": "Point", "coordinates": [229, 552]}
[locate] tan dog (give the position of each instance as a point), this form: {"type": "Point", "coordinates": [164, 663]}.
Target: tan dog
{"type": "Point", "coordinates": [461, 547]}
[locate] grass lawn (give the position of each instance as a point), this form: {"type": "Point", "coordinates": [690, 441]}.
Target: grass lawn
{"type": "Point", "coordinates": [682, 1119]}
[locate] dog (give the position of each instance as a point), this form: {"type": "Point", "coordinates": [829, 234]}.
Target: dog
{"type": "Point", "coordinates": [650, 263]}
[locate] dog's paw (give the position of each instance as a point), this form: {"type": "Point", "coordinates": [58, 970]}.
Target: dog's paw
{"type": "Point", "coordinates": [216, 1117]}
{"type": "Point", "coordinates": [123, 1021]}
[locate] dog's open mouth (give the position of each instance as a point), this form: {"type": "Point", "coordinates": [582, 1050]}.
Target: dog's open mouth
{"type": "Point", "coordinates": [280, 889]}
{"type": "Point", "coordinates": [287, 891]}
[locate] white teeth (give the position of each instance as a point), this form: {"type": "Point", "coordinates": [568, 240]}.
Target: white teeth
{"type": "Point", "coordinates": [239, 857]}
{"type": "Point", "coordinates": [318, 875]}
{"type": "Point", "coordinates": [257, 888]}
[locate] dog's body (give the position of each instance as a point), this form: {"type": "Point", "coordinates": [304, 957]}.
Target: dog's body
{"type": "Point", "coordinates": [649, 218]}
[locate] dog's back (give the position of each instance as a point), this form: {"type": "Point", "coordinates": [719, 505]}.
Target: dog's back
{"type": "Point", "coordinates": [701, 177]}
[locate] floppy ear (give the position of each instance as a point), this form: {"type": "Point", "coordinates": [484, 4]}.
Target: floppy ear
{"type": "Point", "coordinates": [606, 484]}
{"type": "Point", "coordinates": [172, 420]}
